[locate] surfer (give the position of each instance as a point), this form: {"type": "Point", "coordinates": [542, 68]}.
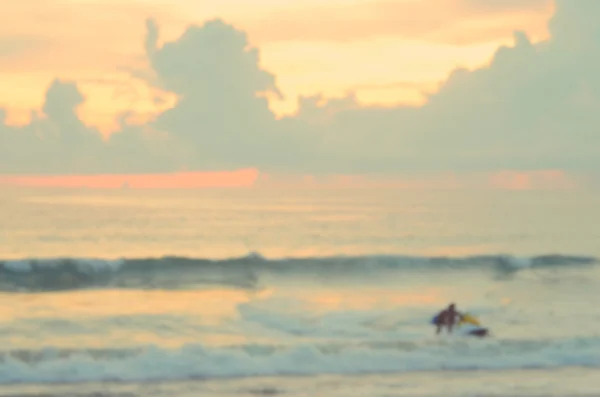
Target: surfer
{"type": "Point", "coordinates": [447, 318]}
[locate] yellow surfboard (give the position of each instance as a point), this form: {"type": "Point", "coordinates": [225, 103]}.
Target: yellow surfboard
{"type": "Point", "coordinates": [468, 319]}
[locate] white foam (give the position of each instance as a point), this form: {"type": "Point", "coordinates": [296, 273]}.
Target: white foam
{"type": "Point", "coordinates": [194, 361]}
{"type": "Point", "coordinates": [518, 263]}
{"type": "Point", "coordinates": [96, 265]}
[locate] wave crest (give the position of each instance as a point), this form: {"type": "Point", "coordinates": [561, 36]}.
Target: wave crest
{"type": "Point", "coordinates": [180, 272]}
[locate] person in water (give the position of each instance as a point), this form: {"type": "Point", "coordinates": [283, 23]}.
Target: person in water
{"type": "Point", "coordinates": [447, 318]}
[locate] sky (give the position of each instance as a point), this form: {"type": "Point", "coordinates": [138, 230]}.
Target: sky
{"type": "Point", "coordinates": [300, 90]}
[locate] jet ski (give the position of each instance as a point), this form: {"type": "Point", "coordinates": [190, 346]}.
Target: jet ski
{"type": "Point", "coordinates": [468, 325]}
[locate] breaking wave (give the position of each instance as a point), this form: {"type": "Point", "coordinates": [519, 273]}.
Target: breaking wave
{"type": "Point", "coordinates": [152, 363]}
{"type": "Point", "coordinates": [178, 272]}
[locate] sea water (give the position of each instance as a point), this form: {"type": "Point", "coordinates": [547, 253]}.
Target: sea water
{"type": "Point", "coordinates": [316, 292]}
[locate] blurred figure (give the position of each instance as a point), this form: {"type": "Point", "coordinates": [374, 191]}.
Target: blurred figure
{"type": "Point", "coordinates": [447, 318]}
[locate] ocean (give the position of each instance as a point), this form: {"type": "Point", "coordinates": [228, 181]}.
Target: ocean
{"type": "Point", "coordinates": [307, 292]}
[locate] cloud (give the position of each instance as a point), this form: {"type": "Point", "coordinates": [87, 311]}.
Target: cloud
{"type": "Point", "coordinates": [221, 118]}
{"type": "Point", "coordinates": [535, 106]}
{"type": "Point", "coordinates": [54, 141]}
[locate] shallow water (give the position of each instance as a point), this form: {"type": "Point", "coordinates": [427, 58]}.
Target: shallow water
{"type": "Point", "coordinates": [526, 383]}
{"type": "Point", "coordinates": [238, 293]}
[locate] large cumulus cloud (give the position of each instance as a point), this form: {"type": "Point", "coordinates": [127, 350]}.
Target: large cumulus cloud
{"type": "Point", "coordinates": [534, 106]}
{"type": "Point", "coordinates": [222, 118]}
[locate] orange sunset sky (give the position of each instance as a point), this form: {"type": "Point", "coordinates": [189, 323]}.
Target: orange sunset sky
{"type": "Point", "coordinates": [387, 52]}
{"type": "Point", "coordinates": [399, 92]}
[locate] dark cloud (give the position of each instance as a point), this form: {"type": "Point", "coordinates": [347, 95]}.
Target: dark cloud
{"type": "Point", "coordinates": [534, 106]}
